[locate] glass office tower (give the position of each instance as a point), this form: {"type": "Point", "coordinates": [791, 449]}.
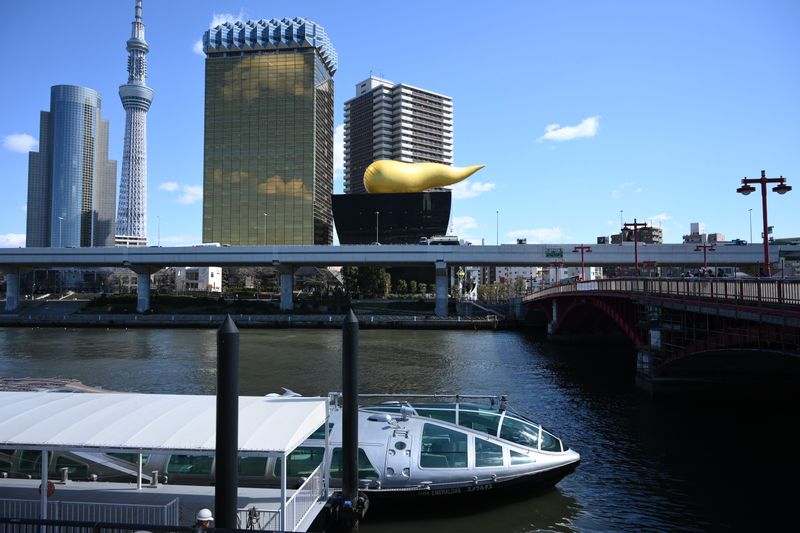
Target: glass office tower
{"type": "Point", "coordinates": [71, 182]}
{"type": "Point", "coordinates": [268, 158]}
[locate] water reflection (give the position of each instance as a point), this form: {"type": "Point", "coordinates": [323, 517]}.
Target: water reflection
{"type": "Point", "coordinates": [646, 466]}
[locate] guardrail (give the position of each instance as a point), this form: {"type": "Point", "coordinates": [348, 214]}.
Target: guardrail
{"type": "Point", "coordinates": [301, 502]}
{"type": "Point", "coordinates": [165, 515]}
{"type": "Point", "coordinates": [751, 291]}
{"type": "Point", "coordinates": [297, 507]}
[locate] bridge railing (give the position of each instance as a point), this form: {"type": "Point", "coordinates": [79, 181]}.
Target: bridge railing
{"type": "Point", "coordinates": [755, 291]}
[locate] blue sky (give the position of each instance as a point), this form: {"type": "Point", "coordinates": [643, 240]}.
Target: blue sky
{"type": "Point", "coordinates": [578, 109]}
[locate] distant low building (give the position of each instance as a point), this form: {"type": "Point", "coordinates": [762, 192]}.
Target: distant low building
{"type": "Point", "coordinates": [202, 279]}
{"type": "Point", "coordinates": [646, 235]}
{"type": "Point", "coordinates": [697, 235]}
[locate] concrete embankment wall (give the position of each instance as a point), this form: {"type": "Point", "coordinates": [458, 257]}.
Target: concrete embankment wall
{"type": "Point", "coordinates": [250, 321]}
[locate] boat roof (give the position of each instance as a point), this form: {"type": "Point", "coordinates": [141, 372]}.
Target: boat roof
{"type": "Point", "coordinates": [271, 425]}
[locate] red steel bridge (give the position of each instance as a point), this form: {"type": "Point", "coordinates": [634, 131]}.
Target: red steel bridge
{"type": "Point", "coordinates": [685, 329]}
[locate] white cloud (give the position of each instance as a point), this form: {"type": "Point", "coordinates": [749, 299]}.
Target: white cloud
{"type": "Point", "coordinates": [21, 143]}
{"type": "Point", "coordinates": [471, 189]}
{"type": "Point", "coordinates": [12, 240]}
{"type": "Point", "coordinates": [191, 194]}
{"type": "Point", "coordinates": [170, 186]}
{"type": "Point", "coordinates": [660, 217]}
{"type": "Point", "coordinates": [587, 128]}
{"type": "Point", "coordinates": [615, 194]}
{"type": "Point", "coordinates": [222, 18]}
{"type": "Point", "coordinates": [539, 235]}
{"type": "Point", "coordinates": [216, 20]}
{"type": "Point", "coordinates": [462, 227]}
{"type": "Point", "coordinates": [338, 156]}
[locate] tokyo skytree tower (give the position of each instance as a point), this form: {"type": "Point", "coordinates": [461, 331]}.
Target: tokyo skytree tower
{"type": "Point", "coordinates": [136, 98]}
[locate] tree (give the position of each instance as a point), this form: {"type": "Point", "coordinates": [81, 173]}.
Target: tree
{"type": "Point", "coordinates": [412, 286]}
{"type": "Point", "coordinates": [402, 287]}
{"type": "Point", "coordinates": [423, 288]}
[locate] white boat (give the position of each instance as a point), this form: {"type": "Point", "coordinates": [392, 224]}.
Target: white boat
{"type": "Point", "coordinates": [409, 446]}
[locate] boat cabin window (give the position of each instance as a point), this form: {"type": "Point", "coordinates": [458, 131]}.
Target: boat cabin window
{"type": "Point", "coordinates": [130, 457]}
{"type": "Point", "coordinates": [300, 462]}
{"type": "Point", "coordinates": [488, 453]}
{"type": "Point", "coordinates": [480, 420]}
{"type": "Point", "coordinates": [74, 468]}
{"type": "Point", "coordinates": [437, 411]}
{"type": "Point", "coordinates": [365, 468]}
{"type": "Point", "coordinates": [7, 452]}
{"type": "Point", "coordinates": [189, 464]}
{"type": "Point", "coordinates": [520, 432]}
{"type": "Point", "coordinates": [252, 466]}
{"type": "Point", "coordinates": [5, 466]}
{"type": "Point", "coordinates": [518, 458]}
{"type": "Point", "coordinates": [550, 443]}
{"type": "Point", "coordinates": [30, 461]}
{"type": "Point", "coordinates": [319, 433]}
{"type": "Point", "coordinates": [443, 448]}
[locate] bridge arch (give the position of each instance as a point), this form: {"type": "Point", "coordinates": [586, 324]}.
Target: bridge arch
{"type": "Point", "coordinates": [569, 307]}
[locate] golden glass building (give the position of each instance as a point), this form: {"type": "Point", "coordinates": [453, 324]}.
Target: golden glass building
{"type": "Point", "coordinates": [268, 158]}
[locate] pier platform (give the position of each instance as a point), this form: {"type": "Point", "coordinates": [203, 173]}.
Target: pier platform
{"type": "Point", "coordinates": [191, 498]}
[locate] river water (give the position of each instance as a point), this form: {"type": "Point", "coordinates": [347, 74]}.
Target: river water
{"type": "Point", "coordinates": [704, 464]}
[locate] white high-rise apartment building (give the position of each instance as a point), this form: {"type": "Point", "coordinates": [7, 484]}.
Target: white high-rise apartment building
{"type": "Point", "coordinates": [394, 121]}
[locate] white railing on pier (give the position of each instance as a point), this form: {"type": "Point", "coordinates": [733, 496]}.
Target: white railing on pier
{"type": "Point", "coordinates": [301, 502]}
{"type": "Point", "coordinates": [162, 515]}
{"type": "Point", "coordinates": [297, 507]}
{"type": "Point", "coordinates": [742, 291]}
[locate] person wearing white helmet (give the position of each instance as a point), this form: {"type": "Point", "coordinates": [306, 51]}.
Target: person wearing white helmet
{"type": "Point", "coordinates": [204, 519]}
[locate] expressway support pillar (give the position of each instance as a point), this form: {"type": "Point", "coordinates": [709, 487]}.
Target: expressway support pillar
{"type": "Point", "coordinates": [441, 288]}
{"type": "Point", "coordinates": [142, 292]}
{"type": "Point", "coordinates": [287, 284]}
{"type": "Point", "coordinates": [551, 326]}
{"type": "Point", "coordinates": [12, 290]}
{"type": "Point", "coordinates": [143, 273]}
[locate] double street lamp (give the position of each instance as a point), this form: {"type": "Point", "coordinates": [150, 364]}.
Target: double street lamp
{"type": "Point", "coordinates": [377, 225]}
{"type": "Point", "coordinates": [781, 188]}
{"type": "Point", "coordinates": [582, 249]}
{"type": "Point", "coordinates": [705, 247]}
{"type": "Point", "coordinates": [635, 225]}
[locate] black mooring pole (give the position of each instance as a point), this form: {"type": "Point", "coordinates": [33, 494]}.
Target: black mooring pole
{"type": "Point", "coordinates": [226, 489]}
{"type": "Point", "coordinates": [350, 409]}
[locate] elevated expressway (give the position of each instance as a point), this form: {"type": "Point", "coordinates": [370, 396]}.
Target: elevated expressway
{"type": "Point", "coordinates": [147, 260]}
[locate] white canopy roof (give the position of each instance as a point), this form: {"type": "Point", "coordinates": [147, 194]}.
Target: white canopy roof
{"type": "Point", "coordinates": [152, 422]}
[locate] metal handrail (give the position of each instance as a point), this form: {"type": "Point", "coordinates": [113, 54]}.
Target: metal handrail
{"type": "Point", "coordinates": [772, 291]}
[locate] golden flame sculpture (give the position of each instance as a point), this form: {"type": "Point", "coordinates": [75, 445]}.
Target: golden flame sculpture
{"type": "Point", "coordinates": [385, 176]}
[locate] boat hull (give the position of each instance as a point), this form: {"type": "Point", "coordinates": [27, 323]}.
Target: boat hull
{"type": "Point", "coordinates": [523, 485]}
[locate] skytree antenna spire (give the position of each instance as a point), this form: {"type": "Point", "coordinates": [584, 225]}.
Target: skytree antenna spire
{"type": "Point", "coordinates": [136, 97]}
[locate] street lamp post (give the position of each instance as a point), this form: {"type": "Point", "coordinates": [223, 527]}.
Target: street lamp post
{"type": "Point", "coordinates": [159, 230]}
{"type": "Point", "coordinates": [377, 222]}
{"type": "Point", "coordinates": [497, 227]}
{"type": "Point", "coordinates": [751, 224]}
{"type": "Point", "coordinates": [265, 228]}
{"type": "Point", "coordinates": [582, 249]}
{"type": "Point", "coordinates": [621, 226]}
{"type": "Point", "coordinates": [60, 220]}
{"type": "Point", "coordinates": [781, 188]}
{"type": "Point", "coordinates": [705, 247]}
{"type": "Point", "coordinates": [635, 225]}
